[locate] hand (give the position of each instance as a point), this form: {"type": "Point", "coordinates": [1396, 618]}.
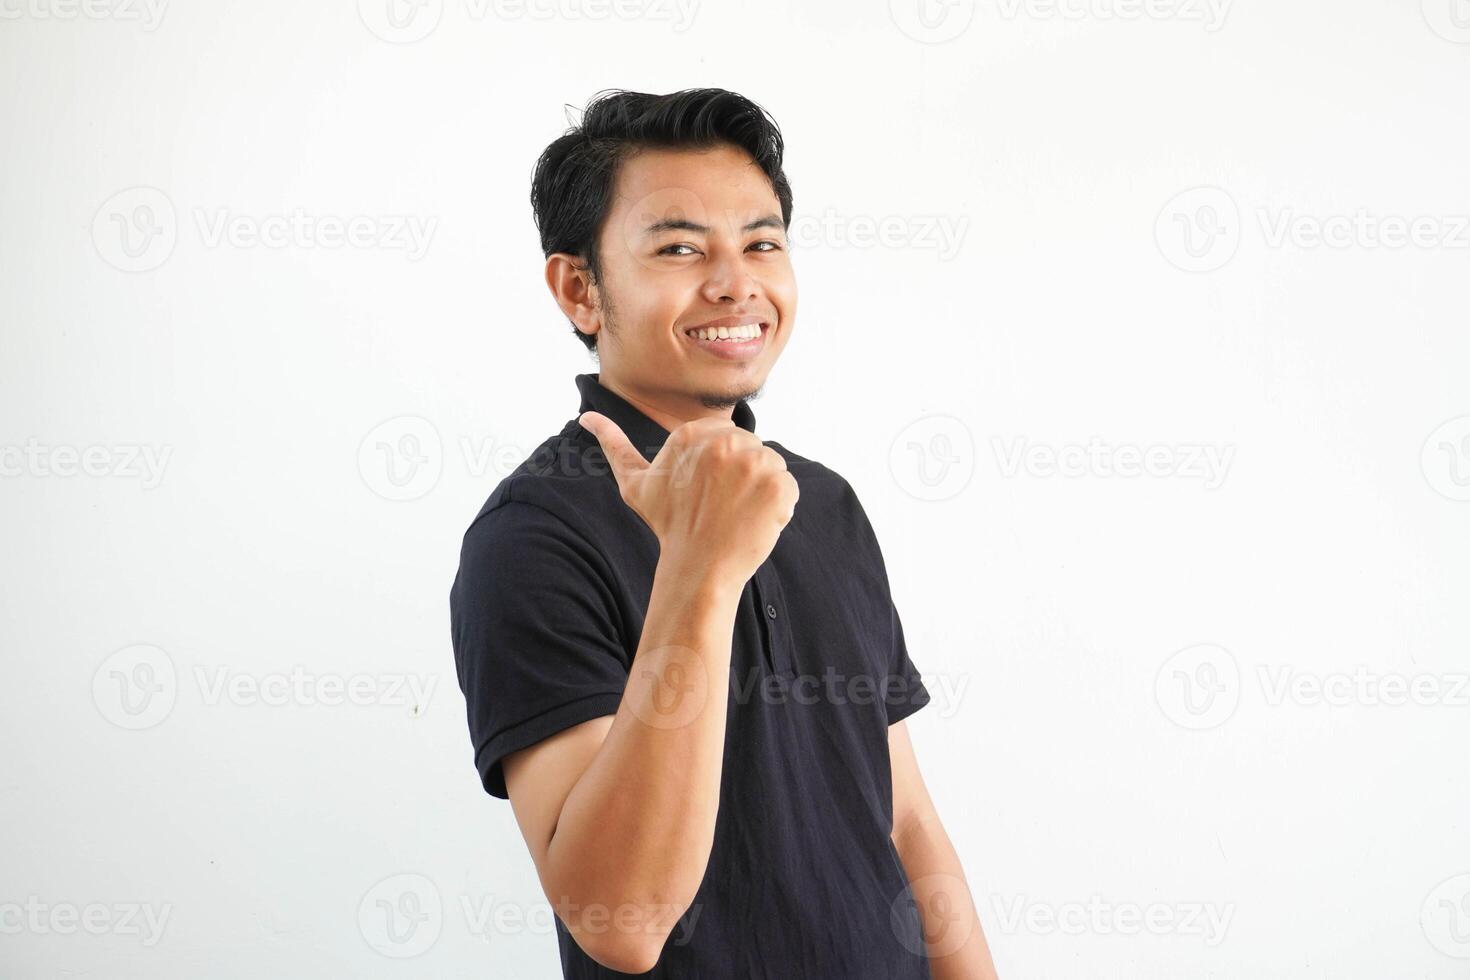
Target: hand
{"type": "Point", "coordinates": [715, 496]}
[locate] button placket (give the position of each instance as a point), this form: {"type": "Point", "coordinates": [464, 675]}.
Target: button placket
{"type": "Point", "coordinates": [770, 602]}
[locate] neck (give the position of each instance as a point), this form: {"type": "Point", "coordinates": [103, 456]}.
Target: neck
{"type": "Point", "coordinates": [669, 411]}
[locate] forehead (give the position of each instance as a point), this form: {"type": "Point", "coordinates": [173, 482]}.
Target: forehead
{"type": "Point", "coordinates": [698, 184]}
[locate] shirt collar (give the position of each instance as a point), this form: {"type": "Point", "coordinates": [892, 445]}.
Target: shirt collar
{"type": "Point", "coordinates": [642, 431]}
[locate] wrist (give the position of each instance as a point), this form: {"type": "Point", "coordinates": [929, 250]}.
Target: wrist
{"type": "Point", "coordinates": [699, 577]}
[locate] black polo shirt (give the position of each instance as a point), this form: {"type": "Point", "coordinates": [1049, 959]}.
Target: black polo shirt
{"type": "Point", "coordinates": [546, 611]}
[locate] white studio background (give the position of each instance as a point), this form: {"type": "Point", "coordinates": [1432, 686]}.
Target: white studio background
{"type": "Point", "coordinates": [1207, 720]}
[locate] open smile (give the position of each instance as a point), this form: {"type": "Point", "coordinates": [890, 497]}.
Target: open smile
{"type": "Point", "coordinates": [731, 338]}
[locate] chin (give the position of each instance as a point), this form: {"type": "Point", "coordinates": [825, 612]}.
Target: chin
{"type": "Point", "coordinates": [728, 396]}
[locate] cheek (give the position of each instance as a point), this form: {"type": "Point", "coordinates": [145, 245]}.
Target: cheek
{"type": "Point", "coordinates": [666, 295]}
{"type": "Point", "coordinates": [781, 283]}
{"type": "Point", "coordinates": [645, 310]}
{"type": "Point", "coordinates": [784, 296]}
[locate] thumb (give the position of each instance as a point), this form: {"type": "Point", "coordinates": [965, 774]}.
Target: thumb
{"type": "Point", "coordinates": [622, 457]}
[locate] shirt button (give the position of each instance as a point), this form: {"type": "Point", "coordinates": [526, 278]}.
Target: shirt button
{"type": "Point", "coordinates": [771, 610]}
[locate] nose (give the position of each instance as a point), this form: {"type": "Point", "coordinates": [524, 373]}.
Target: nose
{"type": "Point", "coordinates": [730, 281]}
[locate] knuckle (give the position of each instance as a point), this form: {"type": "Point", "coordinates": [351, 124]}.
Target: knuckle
{"type": "Point", "coordinates": [773, 489]}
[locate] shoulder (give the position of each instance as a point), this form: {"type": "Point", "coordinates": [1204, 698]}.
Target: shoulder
{"type": "Point", "coordinates": [828, 499]}
{"type": "Point", "coordinates": [563, 484]}
{"type": "Point", "coordinates": [813, 476]}
{"type": "Point", "coordinates": [557, 514]}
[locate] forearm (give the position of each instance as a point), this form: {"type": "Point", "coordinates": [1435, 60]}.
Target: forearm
{"type": "Point", "coordinates": [952, 932]}
{"type": "Point", "coordinates": [636, 830]}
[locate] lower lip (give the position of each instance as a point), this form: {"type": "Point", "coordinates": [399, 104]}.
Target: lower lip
{"type": "Point", "coordinates": [733, 350]}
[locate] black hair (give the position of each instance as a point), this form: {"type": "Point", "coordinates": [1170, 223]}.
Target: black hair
{"type": "Point", "coordinates": [572, 187]}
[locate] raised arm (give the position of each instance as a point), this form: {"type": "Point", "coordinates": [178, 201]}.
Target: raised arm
{"type": "Point", "coordinates": [619, 812]}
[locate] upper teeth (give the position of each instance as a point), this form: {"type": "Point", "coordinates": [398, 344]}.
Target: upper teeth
{"type": "Point", "coordinates": [746, 332]}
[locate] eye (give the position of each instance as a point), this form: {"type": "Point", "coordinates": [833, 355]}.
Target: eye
{"type": "Point", "coordinates": [774, 246]}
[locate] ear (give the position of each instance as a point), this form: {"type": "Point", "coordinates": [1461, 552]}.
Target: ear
{"type": "Point", "coordinates": [571, 286]}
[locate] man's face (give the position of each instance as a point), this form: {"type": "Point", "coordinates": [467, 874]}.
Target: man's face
{"type": "Point", "coordinates": [693, 237]}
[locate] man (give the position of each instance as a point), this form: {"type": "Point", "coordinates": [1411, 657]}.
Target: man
{"type": "Point", "coordinates": [681, 660]}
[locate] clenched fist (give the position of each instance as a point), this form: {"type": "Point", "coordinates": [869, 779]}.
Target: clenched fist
{"type": "Point", "coordinates": [715, 496]}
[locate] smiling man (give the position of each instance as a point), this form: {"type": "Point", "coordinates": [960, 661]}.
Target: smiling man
{"type": "Point", "coordinates": [681, 660]}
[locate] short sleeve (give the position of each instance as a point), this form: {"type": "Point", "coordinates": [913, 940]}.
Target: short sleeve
{"type": "Point", "coordinates": [534, 627]}
{"type": "Point", "coordinates": [903, 688]}
{"type": "Point", "coordinates": [906, 693]}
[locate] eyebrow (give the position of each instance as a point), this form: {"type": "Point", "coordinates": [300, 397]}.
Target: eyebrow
{"type": "Point", "coordinates": [681, 224]}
